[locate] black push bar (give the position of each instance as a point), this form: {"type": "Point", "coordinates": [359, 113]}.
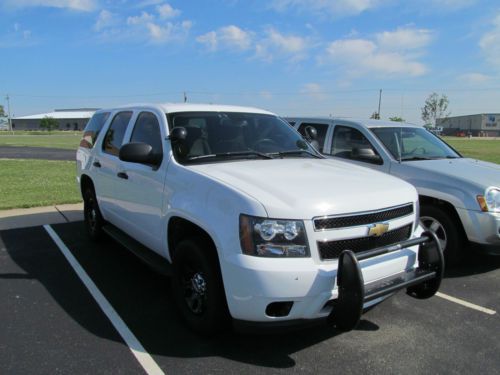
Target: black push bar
{"type": "Point", "coordinates": [422, 282]}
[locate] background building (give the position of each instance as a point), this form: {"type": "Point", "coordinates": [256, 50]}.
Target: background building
{"type": "Point", "coordinates": [481, 125]}
{"type": "Point", "coordinates": [68, 119]}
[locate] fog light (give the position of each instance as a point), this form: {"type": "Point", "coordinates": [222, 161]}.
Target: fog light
{"type": "Point", "coordinates": [278, 309]}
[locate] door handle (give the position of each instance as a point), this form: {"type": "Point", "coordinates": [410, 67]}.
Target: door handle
{"type": "Point", "coordinates": [97, 164]}
{"type": "Point", "coordinates": [123, 175]}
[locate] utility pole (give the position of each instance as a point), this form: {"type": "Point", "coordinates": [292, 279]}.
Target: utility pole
{"type": "Point", "coordinates": [185, 97]}
{"type": "Point", "coordinates": [379, 101]}
{"type": "Point", "coordinates": [8, 111]}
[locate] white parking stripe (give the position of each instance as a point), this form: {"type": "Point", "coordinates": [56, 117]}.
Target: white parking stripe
{"type": "Point", "coordinates": [466, 304]}
{"type": "Point", "coordinates": [144, 358]}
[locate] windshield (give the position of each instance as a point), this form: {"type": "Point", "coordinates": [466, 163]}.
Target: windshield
{"type": "Point", "coordinates": [413, 144]}
{"type": "Point", "coordinates": [223, 136]}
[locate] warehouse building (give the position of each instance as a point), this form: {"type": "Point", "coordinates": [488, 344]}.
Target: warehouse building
{"type": "Point", "coordinates": [68, 119]}
{"type": "Point", "coordinates": [480, 125]}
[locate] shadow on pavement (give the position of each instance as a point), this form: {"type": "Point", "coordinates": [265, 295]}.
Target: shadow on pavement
{"type": "Point", "coordinates": [142, 299]}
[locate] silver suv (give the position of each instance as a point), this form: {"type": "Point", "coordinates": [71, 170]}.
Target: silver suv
{"type": "Point", "coordinates": [459, 197]}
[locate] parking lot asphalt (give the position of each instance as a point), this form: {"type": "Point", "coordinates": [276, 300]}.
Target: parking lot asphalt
{"type": "Point", "coordinates": [51, 324]}
{"type": "Point", "coordinates": [45, 153]}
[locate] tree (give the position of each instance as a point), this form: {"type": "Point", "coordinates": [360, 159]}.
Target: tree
{"type": "Point", "coordinates": [2, 111]}
{"type": "Point", "coordinates": [375, 116]}
{"type": "Point", "coordinates": [435, 107]}
{"type": "Point", "coordinates": [49, 123]}
{"type": "Point", "coordinates": [397, 119]}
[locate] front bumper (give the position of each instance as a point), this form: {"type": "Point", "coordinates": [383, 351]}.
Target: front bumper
{"type": "Point", "coordinates": [482, 228]}
{"type": "Point", "coordinates": [320, 290]}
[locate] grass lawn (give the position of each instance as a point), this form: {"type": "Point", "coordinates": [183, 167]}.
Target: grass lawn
{"type": "Point", "coordinates": [477, 148]}
{"type": "Point", "coordinates": [56, 139]}
{"type": "Point", "coordinates": [30, 183]}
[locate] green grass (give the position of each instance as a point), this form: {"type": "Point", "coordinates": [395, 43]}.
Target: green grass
{"type": "Point", "coordinates": [482, 149]}
{"type": "Point", "coordinates": [30, 183]}
{"type": "Point", "coordinates": [56, 139]}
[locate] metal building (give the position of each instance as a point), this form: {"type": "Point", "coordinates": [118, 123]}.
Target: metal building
{"type": "Point", "coordinates": [68, 119]}
{"type": "Point", "coordinates": [480, 125]}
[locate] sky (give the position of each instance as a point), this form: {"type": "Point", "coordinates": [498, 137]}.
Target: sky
{"type": "Point", "coordinates": [292, 57]}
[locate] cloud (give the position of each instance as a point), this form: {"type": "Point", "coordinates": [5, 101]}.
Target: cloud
{"type": "Point", "coordinates": [490, 43]}
{"type": "Point", "coordinates": [452, 4]}
{"type": "Point", "coordinates": [274, 44]}
{"type": "Point", "coordinates": [166, 11]}
{"type": "Point", "coordinates": [146, 26]}
{"type": "Point", "coordinates": [475, 78]}
{"type": "Point", "coordinates": [228, 37]}
{"type": "Point", "coordinates": [335, 8]}
{"type": "Point", "coordinates": [389, 53]}
{"type": "Point", "coordinates": [314, 90]}
{"type": "Point", "coordinates": [79, 5]}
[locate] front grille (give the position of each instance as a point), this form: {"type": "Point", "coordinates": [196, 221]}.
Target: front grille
{"type": "Point", "coordinates": [363, 219]}
{"type": "Point", "coordinates": [332, 249]}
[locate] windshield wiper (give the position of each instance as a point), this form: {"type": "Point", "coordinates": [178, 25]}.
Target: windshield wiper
{"type": "Point", "coordinates": [295, 152]}
{"type": "Point", "coordinates": [418, 158]}
{"type": "Point", "coordinates": [231, 154]}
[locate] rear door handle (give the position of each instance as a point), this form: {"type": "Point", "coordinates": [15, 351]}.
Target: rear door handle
{"type": "Point", "coordinates": [97, 164]}
{"type": "Point", "coordinates": [123, 175]}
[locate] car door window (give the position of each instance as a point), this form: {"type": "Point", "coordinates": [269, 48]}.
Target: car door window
{"type": "Point", "coordinates": [147, 130]}
{"type": "Point", "coordinates": [92, 129]}
{"type": "Point", "coordinates": [350, 143]}
{"type": "Point", "coordinates": [114, 136]}
{"type": "Point", "coordinates": [320, 128]}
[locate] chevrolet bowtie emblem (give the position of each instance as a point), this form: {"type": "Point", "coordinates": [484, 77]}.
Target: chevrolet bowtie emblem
{"type": "Point", "coordinates": [376, 230]}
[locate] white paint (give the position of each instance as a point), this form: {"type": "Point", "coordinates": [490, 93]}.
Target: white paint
{"type": "Point", "coordinates": [144, 358]}
{"type": "Point", "coordinates": [466, 304]}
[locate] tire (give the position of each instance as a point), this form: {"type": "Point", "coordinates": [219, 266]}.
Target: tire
{"type": "Point", "coordinates": [198, 289]}
{"type": "Point", "coordinates": [447, 230]}
{"type": "Point", "coordinates": [92, 215]}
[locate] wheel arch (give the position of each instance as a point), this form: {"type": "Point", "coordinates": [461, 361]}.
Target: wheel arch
{"type": "Point", "coordinates": [85, 181]}
{"type": "Point", "coordinates": [447, 207]}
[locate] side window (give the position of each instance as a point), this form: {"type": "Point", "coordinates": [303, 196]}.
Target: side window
{"type": "Point", "coordinates": [320, 128]}
{"type": "Point", "coordinates": [114, 136]}
{"type": "Point", "coordinates": [92, 129]}
{"type": "Point", "coordinates": [350, 143]}
{"type": "Point", "coordinates": [147, 130]}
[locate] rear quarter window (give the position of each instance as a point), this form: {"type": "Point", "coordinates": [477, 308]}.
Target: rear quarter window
{"type": "Point", "coordinates": [93, 128]}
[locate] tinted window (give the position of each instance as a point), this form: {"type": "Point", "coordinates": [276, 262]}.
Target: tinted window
{"type": "Point", "coordinates": [147, 130]}
{"type": "Point", "coordinates": [320, 128]}
{"type": "Point", "coordinates": [92, 129]}
{"type": "Point", "coordinates": [114, 136]}
{"type": "Point", "coordinates": [350, 143]}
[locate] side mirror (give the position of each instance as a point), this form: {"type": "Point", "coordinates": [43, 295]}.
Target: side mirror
{"type": "Point", "coordinates": [177, 134]}
{"type": "Point", "coordinates": [138, 152]}
{"type": "Point", "coordinates": [311, 133]}
{"type": "Point", "coordinates": [367, 155]}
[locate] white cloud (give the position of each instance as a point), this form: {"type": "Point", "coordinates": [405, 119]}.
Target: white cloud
{"type": "Point", "coordinates": [274, 44]}
{"type": "Point", "coordinates": [143, 18]}
{"type": "Point", "coordinates": [166, 11]}
{"type": "Point", "coordinates": [104, 20]}
{"type": "Point", "coordinates": [229, 37]}
{"type": "Point", "coordinates": [452, 4]}
{"type": "Point", "coordinates": [490, 43]}
{"type": "Point", "coordinates": [335, 8]}
{"type": "Point", "coordinates": [314, 90]}
{"type": "Point", "coordinates": [474, 78]}
{"type": "Point", "coordinates": [266, 95]}
{"type": "Point", "coordinates": [404, 38]}
{"type": "Point", "coordinates": [360, 56]}
{"type": "Point", "coordinates": [80, 5]}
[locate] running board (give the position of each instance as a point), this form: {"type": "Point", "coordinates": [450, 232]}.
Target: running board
{"type": "Point", "coordinates": [148, 256]}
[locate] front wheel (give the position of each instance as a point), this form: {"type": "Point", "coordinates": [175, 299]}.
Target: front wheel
{"type": "Point", "coordinates": [446, 229]}
{"type": "Point", "coordinates": [198, 289]}
{"type": "Point", "coordinates": [92, 215]}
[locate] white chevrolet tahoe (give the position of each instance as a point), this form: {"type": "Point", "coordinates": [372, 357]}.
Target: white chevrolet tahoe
{"type": "Point", "coordinates": [249, 220]}
{"type": "Point", "coordinates": [459, 197]}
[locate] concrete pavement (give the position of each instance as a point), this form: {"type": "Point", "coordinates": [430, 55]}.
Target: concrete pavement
{"type": "Point", "coordinates": [35, 216]}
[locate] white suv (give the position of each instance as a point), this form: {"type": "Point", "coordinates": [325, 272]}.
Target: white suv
{"type": "Point", "coordinates": [251, 222]}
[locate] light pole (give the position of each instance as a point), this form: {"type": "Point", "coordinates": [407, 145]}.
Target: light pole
{"type": "Point", "coordinates": [8, 111]}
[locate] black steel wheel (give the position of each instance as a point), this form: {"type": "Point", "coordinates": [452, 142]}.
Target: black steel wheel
{"type": "Point", "coordinates": [92, 215]}
{"type": "Point", "coordinates": [198, 289]}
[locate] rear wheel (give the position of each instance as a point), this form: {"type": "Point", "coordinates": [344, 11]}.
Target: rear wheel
{"type": "Point", "coordinates": [198, 289]}
{"type": "Point", "coordinates": [446, 229]}
{"type": "Point", "coordinates": [92, 215]}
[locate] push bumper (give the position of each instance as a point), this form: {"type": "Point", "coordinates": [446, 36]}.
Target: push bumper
{"type": "Point", "coordinates": [422, 282]}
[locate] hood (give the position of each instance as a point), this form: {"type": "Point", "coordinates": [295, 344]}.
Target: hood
{"type": "Point", "coordinates": [305, 188]}
{"type": "Point", "coordinates": [482, 174]}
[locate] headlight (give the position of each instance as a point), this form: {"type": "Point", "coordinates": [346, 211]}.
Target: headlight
{"type": "Point", "coordinates": [490, 201]}
{"type": "Point", "coordinates": [272, 237]}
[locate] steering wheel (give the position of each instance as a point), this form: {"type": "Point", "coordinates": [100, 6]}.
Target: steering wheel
{"type": "Point", "coordinates": [265, 143]}
{"type": "Point", "coordinates": [422, 149]}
